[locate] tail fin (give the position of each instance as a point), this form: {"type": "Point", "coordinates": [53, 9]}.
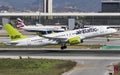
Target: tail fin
{"type": "Point", "coordinates": [13, 33]}
{"type": "Point", "coordinates": [20, 23]}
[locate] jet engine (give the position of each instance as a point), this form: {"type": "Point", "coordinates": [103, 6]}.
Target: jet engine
{"type": "Point", "coordinates": [74, 40]}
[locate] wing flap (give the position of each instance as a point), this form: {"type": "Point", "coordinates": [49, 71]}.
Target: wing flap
{"type": "Point", "coordinates": [57, 39]}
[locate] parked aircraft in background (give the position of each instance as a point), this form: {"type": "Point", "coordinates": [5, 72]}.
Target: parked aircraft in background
{"type": "Point", "coordinates": [17, 39]}
{"type": "Point", "coordinates": [39, 28]}
{"type": "Point", "coordinates": [77, 36]}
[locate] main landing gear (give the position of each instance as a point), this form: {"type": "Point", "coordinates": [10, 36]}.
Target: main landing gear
{"type": "Point", "coordinates": [63, 47]}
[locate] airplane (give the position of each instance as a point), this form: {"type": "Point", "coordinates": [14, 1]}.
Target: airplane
{"type": "Point", "coordinates": [77, 36]}
{"type": "Point", "coordinates": [68, 37]}
{"type": "Point", "coordinates": [39, 28]}
{"type": "Point", "coordinates": [18, 39]}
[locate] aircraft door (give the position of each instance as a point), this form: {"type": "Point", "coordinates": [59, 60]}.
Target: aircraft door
{"type": "Point", "coordinates": [102, 30]}
{"type": "Point", "coordinates": [29, 42]}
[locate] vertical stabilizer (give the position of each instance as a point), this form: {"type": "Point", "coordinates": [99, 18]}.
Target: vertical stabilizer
{"type": "Point", "coordinates": [20, 23]}
{"type": "Point", "coordinates": [13, 33]}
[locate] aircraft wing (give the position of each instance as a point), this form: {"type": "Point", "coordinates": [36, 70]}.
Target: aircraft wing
{"type": "Point", "coordinates": [57, 39]}
{"type": "Point", "coordinates": [10, 43]}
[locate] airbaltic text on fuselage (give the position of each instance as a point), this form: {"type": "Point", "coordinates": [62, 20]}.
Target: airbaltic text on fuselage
{"type": "Point", "coordinates": [86, 30]}
{"type": "Point", "coordinates": [81, 31]}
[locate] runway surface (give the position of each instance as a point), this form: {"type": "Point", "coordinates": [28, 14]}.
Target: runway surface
{"type": "Point", "coordinates": [101, 53]}
{"type": "Point", "coordinates": [88, 62]}
{"type": "Point", "coordinates": [91, 67]}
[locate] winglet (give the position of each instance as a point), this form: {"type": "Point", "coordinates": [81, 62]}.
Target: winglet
{"type": "Point", "coordinates": [13, 33]}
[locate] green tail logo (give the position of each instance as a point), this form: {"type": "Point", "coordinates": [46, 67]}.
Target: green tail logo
{"type": "Point", "coordinates": [13, 33]}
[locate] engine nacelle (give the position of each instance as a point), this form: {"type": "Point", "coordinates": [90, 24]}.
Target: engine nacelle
{"type": "Point", "coordinates": [74, 40]}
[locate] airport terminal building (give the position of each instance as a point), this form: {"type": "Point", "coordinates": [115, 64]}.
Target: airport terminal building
{"type": "Point", "coordinates": [107, 16]}
{"type": "Point", "coordinates": [62, 18]}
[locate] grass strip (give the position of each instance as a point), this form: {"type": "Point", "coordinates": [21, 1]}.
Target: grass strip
{"type": "Point", "coordinates": [34, 66]}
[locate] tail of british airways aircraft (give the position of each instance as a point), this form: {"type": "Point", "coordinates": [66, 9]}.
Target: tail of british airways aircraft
{"type": "Point", "coordinates": [20, 23]}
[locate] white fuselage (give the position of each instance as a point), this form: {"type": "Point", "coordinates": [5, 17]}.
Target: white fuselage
{"type": "Point", "coordinates": [33, 41]}
{"type": "Point", "coordinates": [83, 33]}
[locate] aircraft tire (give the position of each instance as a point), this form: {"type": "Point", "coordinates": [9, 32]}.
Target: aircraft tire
{"type": "Point", "coordinates": [63, 47]}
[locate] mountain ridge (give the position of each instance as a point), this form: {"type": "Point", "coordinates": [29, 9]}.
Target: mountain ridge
{"type": "Point", "coordinates": [80, 5]}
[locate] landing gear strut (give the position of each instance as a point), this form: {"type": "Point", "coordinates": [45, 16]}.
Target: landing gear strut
{"type": "Point", "coordinates": [63, 47]}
